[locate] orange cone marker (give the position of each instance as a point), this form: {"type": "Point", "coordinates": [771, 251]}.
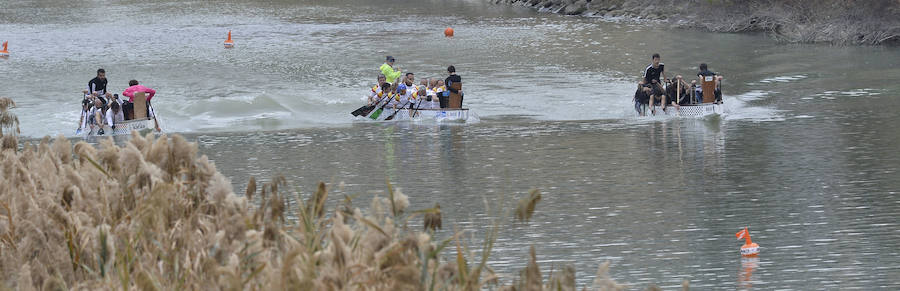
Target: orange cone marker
{"type": "Point", "coordinates": [749, 249]}
{"type": "Point", "coordinates": [448, 32]}
{"type": "Point", "coordinates": [4, 52]}
{"type": "Point", "coordinates": [228, 42]}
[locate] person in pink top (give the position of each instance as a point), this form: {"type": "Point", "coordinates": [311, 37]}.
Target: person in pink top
{"type": "Point", "coordinates": [129, 92]}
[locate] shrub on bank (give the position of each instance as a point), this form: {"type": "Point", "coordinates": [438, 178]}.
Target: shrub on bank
{"type": "Point", "coordinates": [871, 22]}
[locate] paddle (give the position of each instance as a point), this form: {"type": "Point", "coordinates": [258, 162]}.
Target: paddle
{"type": "Point", "coordinates": [80, 120]}
{"type": "Point", "coordinates": [417, 108]}
{"type": "Point", "coordinates": [721, 100]}
{"type": "Point", "coordinates": [678, 94]}
{"type": "Point", "coordinates": [365, 109]}
{"type": "Point", "coordinates": [396, 111]}
{"type": "Point", "coordinates": [389, 91]}
{"type": "Point", "coordinates": [378, 111]}
{"type": "Point", "coordinates": [84, 116]}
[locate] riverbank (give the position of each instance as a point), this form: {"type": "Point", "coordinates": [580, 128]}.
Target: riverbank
{"type": "Point", "coordinates": [829, 21]}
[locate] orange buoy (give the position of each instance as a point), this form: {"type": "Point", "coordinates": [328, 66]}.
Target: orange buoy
{"type": "Point", "coordinates": [448, 32]}
{"type": "Point", "coordinates": [4, 52]}
{"type": "Point", "coordinates": [749, 249]}
{"type": "Point", "coordinates": [228, 42]}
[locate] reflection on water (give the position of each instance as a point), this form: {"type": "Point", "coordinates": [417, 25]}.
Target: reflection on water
{"type": "Point", "coordinates": [662, 200]}
{"type": "Point", "coordinates": [745, 276]}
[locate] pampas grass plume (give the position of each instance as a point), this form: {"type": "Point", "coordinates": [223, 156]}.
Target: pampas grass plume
{"type": "Point", "coordinates": [151, 215]}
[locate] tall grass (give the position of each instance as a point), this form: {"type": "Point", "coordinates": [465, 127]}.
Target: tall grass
{"type": "Point", "coordinates": [152, 215]}
{"type": "Point", "coordinates": [9, 124]}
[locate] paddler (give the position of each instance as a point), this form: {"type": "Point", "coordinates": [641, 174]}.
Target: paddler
{"type": "Point", "coordinates": [409, 80]}
{"type": "Point", "coordinates": [452, 81]}
{"type": "Point", "coordinates": [651, 78]}
{"type": "Point", "coordinates": [96, 87]}
{"type": "Point", "coordinates": [134, 87]}
{"type": "Point", "coordinates": [95, 115]}
{"type": "Point", "coordinates": [705, 72]}
{"type": "Point", "coordinates": [390, 73]}
{"type": "Point", "coordinates": [401, 98]}
{"type": "Point", "coordinates": [439, 89]}
{"type": "Point", "coordinates": [376, 92]}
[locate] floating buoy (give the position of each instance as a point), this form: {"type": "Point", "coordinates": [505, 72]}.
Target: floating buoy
{"type": "Point", "coordinates": [228, 42]}
{"type": "Point", "coordinates": [749, 249]}
{"type": "Point", "coordinates": [4, 52]}
{"type": "Point", "coordinates": [448, 32]}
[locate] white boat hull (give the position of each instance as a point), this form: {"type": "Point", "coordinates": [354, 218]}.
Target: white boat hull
{"type": "Point", "coordinates": [435, 115]}
{"type": "Point", "coordinates": [122, 128]}
{"type": "Point", "coordinates": [698, 110]}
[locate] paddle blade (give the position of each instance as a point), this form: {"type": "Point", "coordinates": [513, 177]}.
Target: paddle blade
{"type": "Point", "coordinates": [393, 114]}
{"type": "Point", "coordinates": [376, 114]}
{"type": "Point", "coordinates": [362, 110]}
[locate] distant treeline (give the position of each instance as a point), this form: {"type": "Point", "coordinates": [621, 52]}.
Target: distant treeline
{"type": "Point", "coordinates": [869, 22]}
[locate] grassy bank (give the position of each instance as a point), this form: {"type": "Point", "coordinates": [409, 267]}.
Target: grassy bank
{"type": "Point", "coordinates": [872, 22]}
{"type": "Point", "coordinates": [152, 215]}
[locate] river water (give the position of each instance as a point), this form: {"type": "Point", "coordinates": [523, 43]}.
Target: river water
{"type": "Point", "coordinates": [806, 157]}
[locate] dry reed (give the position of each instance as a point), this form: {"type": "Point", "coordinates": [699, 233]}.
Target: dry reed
{"type": "Point", "coordinates": [526, 205]}
{"type": "Point", "coordinates": [151, 215]}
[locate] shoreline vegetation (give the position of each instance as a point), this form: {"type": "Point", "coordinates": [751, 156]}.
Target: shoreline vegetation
{"type": "Point", "coordinates": [152, 215]}
{"type": "Point", "coordinates": [840, 22]}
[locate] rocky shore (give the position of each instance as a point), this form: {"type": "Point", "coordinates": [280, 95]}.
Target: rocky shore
{"type": "Point", "coordinates": [842, 22]}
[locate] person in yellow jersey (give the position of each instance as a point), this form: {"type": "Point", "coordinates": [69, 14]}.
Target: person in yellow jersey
{"type": "Point", "coordinates": [421, 101]}
{"type": "Point", "coordinates": [430, 100]}
{"type": "Point", "coordinates": [376, 92]}
{"type": "Point", "coordinates": [439, 89]}
{"type": "Point", "coordinates": [389, 71]}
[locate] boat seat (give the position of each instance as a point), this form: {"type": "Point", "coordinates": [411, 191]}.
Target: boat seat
{"type": "Point", "coordinates": [140, 105]}
{"type": "Point", "coordinates": [455, 98]}
{"type": "Point", "coordinates": [708, 83]}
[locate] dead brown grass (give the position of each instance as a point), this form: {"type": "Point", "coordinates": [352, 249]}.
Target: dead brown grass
{"type": "Point", "coordinates": [151, 215]}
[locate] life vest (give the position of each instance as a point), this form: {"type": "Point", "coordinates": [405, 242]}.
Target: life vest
{"type": "Point", "coordinates": [376, 92]}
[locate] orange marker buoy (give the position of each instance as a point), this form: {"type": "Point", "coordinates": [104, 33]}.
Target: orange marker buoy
{"type": "Point", "coordinates": [228, 42]}
{"type": "Point", "coordinates": [4, 52]}
{"type": "Point", "coordinates": [448, 32]}
{"type": "Point", "coordinates": [749, 249]}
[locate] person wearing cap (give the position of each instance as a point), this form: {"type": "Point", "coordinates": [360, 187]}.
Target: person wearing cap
{"type": "Point", "coordinates": [390, 73]}
{"type": "Point", "coordinates": [401, 97]}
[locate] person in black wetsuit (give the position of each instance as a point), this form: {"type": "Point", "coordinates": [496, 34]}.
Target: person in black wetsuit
{"type": "Point", "coordinates": [452, 79]}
